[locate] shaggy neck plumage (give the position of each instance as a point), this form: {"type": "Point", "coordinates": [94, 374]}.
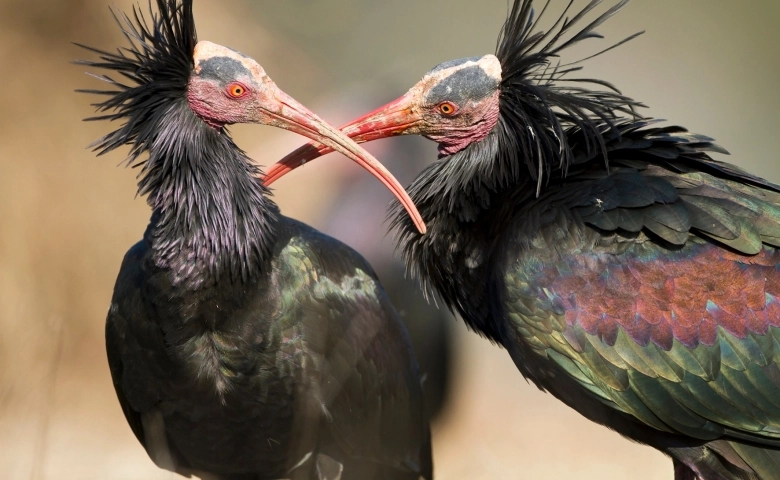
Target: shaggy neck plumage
{"type": "Point", "coordinates": [461, 188]}
{"type": "Point", "coordinates": [212, 220]}
{"type": "Point", "coordinates": [463, 201]}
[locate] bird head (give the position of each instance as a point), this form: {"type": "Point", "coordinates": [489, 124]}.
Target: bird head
{"type": "Point", "coordinates": [455, 104]}
{"type": "Point", "coordinates": [228, 87]}
{"type": "Point", "coordinates": [523, 87]}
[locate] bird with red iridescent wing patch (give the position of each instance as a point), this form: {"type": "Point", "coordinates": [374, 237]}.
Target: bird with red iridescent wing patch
{"type": "Point", "coordinates": [625, 271]}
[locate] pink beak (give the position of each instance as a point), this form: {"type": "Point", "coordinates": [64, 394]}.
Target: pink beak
{"type": "Point", "coordinates": [395, 118]}
{"type": "Point", "coordinates": [299, 119]}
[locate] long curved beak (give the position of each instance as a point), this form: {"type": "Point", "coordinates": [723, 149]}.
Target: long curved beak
{"type": "Point", "coordinates": [295, 117]}
{"type": "Point", "coordinates": [398, 117]}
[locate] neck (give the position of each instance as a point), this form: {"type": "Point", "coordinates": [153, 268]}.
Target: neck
{"type": "Point", "coordinates": [211, 217]}
{"type": "Point", "coordinates": [465, 202]}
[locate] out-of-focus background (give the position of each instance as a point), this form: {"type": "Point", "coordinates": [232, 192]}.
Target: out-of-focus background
{"type": "Point", "coordinates": [67, 217]}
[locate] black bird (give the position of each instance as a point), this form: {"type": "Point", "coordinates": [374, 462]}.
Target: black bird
{"type": "Point", "coordinates": [243, 344]}
{"type": "Point", "coordinates": [625, 271]}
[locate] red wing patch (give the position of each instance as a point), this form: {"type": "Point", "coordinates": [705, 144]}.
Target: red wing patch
{"type": "Point", "coordinates": [660, 295]}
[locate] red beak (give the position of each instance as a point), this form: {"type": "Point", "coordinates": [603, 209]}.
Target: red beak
{"type": "Point", "coordinates": [396, 118]}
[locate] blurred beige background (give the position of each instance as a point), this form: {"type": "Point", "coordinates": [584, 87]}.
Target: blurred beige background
{"type": "Point", "coordinates": [67, 217]}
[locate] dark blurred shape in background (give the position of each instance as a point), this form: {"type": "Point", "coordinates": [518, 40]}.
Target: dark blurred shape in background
{"type": "Point", "coordinates": [67, 217]}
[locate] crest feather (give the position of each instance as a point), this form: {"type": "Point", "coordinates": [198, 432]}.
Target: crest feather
{"type": "Point", "coordinates": [153, 73]}
{"type": "Point", "coordinates": [541, 100]}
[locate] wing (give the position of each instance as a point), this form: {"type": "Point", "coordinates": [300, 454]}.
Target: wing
{"type": "Point", "coordinates": [137, 396]}
{"type": "Point", "coordinates": [115, 333]}
{"type": "Point", "coordinates": [370, 381]}
{"type": "Point", "coordinates": [662, 182]}
{"type": "Point", "coordinates": [666, 306]}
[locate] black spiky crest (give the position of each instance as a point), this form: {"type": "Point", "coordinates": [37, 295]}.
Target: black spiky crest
{"type": "Point", "coordinates": [158, 63]}
{"type": "Point", "coordinates": [541, 101]}
{"type": "Point", "coordinates": [211, 215]}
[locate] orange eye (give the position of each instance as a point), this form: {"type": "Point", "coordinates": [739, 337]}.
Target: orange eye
{"type": "Point", "coordinates": [236, 90]}
{"type": "Point", "coordinates": [447, 108]}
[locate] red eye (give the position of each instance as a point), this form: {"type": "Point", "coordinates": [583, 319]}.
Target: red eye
{"type": "Point", "coordinates": [447, 108]}
{"type": "Point", "coordinates": [236, 90]}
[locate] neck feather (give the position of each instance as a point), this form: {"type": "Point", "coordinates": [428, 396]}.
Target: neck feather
{"type": "Point", "coordinates": [465, 199]}
{"type": "Point", "coordinates": [211, 219]}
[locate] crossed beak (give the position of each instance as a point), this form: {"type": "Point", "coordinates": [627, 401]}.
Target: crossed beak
{"type": "Point", "coordinates": [295, 117]}
{"type": "Point", "coordinates": [398, 117]}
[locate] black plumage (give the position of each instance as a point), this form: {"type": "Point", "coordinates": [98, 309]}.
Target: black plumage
{"type": "Point", "coordinates": [625, 271]}
{"type": "Point", "coordinates": [242, 344]}
{"type": "Point", "coordinates": [599, 180]}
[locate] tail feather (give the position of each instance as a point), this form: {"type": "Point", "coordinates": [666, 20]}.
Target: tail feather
{"type": "Point", "coordinates": [763, 461]}
{"type": "Point", "coordinates": [724, 460]}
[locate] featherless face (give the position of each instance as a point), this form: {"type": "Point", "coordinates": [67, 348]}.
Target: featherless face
{"type": "Point", "coordinates": [228, 87]}
{"type": "Point", "coordinates": [455, 104]}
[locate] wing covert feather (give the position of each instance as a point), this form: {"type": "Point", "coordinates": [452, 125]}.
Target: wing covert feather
{"type": "Point", "coordinates": [684, 340]}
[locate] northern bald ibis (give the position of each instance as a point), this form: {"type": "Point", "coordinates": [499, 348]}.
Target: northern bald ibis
{"type": "Point", "coordinates": [624, 270]}
{"type": "Point", "coordinates": [244, 344]}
